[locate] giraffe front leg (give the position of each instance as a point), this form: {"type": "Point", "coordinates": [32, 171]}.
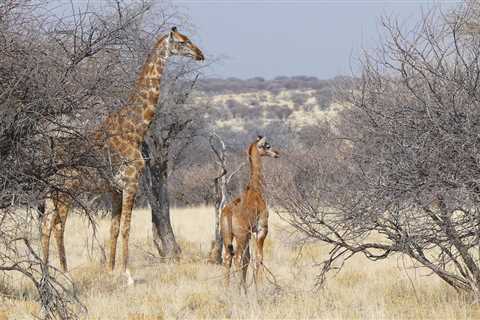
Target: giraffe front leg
{"type": "Point", "coordinates": [245, 263]}
{"type": "Point", "coordinates": [261, 235]}
{"type": "Point", "coordinates": [241, 264]}
{"type": "Point", "coordinates": [127, 206]}
{"type": "Point", "coordinates": [58, 233]}
{"type": "Point", "coordinates": [114, 227]}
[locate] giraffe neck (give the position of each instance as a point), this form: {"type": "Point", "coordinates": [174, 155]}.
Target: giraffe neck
{"type": "Point", "coordinates": [256, 176]}
{"type": "Point", "coordinates": [144, 98]}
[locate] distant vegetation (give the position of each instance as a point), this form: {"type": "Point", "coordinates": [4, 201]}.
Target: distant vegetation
{"type": "Point", "coordinates": [263, 101]}
{"type": "Point", "coordinates": [299, 87]}
{"type": "Point", "coordinates": [215, 86]}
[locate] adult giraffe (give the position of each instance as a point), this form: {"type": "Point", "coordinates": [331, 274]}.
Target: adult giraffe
{"type": "Point", "coordinates": [119, 139]}
{"type": "Point", "coordinates": [247, 214]}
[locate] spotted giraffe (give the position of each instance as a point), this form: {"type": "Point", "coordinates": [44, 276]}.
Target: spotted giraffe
{"type": "Point", "coordinates": [119, 139]}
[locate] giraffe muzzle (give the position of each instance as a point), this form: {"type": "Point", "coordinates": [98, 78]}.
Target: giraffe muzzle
{"type": "Point", "coordinates": [199, 55]}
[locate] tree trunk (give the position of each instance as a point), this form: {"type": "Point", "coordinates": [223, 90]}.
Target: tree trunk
{"type": "Point", "coordinates": [155, 183]}
{"type": "Point", "coordinates": [215, 255]}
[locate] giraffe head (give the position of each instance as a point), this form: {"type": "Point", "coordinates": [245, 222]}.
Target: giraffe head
{"type": "Point", "coordinates": [180, 45]}
{"type": "Point", "coordinates": [265, 149]}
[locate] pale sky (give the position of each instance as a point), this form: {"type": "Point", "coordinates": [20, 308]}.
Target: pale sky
{"type": "Point", "coordinates": [287, 38]}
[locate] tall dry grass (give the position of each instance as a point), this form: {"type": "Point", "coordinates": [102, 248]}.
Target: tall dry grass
{"type": "Point", "coordinates": [191, 289]}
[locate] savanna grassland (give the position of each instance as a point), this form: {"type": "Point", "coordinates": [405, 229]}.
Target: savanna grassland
{"type": "Point", "coordinates": [192, 289]}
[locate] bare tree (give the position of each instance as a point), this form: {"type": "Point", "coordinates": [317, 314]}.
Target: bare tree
{"type": "Point", "coordinates": [398, 171]}
{"type": "Point", "coordinates": [220, 182]}
{"type": "Point", "coordinates": [174, 129]}
{"type": "Point", "coordinates": [220, 186]}
{"type": "Point", "coordinates": [59, 75]}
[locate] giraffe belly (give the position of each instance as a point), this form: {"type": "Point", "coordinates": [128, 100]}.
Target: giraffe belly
{"type": "Point", "coordinates": [127, 175]}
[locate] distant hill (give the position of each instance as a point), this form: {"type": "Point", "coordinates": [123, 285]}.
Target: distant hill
{"type": "Point", "coordinates": [242, 104]}
{"type": "Point", "coordinates": [215, 86]}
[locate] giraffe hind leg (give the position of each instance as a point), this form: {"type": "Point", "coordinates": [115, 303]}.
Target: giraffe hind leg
{"type": "Point", "coordinates": [63, 208]}
{"type": "Point", "coordinates": [127, 206]}
{"type": "Point", "coordinates": [48, 220]}
{"type": "Point", "coordinates": [227, 262]}
{"type": "Point", "coordinates": [114, 227]}
{"type": "Point", "coordinates": [226, 230]}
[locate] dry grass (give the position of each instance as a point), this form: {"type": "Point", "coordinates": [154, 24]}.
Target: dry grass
{"type": "Point", "coordinates": [193, 289]}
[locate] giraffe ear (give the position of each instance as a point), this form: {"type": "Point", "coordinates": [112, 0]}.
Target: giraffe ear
{"type": "Point", "coordinates": [170, 35]}
{"type": "Point", "coordinates": [261, 140]}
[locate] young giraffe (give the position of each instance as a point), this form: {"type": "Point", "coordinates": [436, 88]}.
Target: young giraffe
{"type": "Point", "coordinates": [247, 214]}
{"type": "Point", "coordinates": [119, 139]}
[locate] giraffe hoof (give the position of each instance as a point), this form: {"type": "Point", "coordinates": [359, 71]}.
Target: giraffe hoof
{"type": "Point", "coordinates": [130, 280]}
